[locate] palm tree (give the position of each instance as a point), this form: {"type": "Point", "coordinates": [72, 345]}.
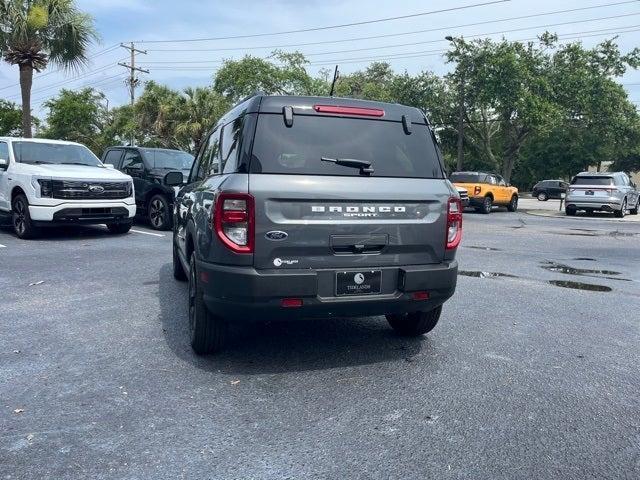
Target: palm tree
{"type": "Point", "coordinates": [36, 32]}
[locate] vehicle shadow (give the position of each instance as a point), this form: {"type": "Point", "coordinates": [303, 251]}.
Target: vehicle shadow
{"type": "Point", "coordinates": [255, 348]}
{"type": "Point", "coordinates": [72, 232]}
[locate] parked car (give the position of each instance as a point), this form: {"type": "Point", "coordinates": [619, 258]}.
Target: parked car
{"type": "Point", "coordinates": [148, 167]}
{"type": "Point", "coordinates": [315, 207]}
{"type": "Point", "coordinates": [486, 190]}
{"type": "Point", "coordinates": [546, 189]}
{"type": "Point", "coordinates": [50, 182]}
{"type": "Point", "coordinates": [464, 196]}
{"type": "Point", "coordinates": [606, 192]}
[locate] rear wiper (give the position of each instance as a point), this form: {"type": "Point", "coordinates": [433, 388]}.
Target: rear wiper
{"type": "Point", "coordinates": [363, 165]}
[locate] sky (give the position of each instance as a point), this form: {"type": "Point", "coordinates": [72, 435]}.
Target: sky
{"type": "Point", "coordinates": [193, 63]}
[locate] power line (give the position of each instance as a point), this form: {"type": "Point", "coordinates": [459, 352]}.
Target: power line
{"type": "Point", "coordinates": [372, 37]}
{"type": "Point", "coordinates": [328, 27]}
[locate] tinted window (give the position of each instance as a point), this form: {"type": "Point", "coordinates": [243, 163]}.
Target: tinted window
{"type": "Point", "coordinates": [113, 157]}
{"type": "Point", "coordinates": [209, 163]}
{"type": "Point", "coordinates": [56, 153]}
{"type": "Point", "coordinates": [231, 134]}
{"type": "Point", "coordinates": [592, 181]}
{"type": "Point", "coordinates": [4, 151]}
{"type": "Point", "coordinates": [461, 177]}
{"type": "Point", "coordinates": [299, 149]}
{"type": "Point", "coordinates": [132, 160]}
{"type": "Point", "coordinates": [169, 159]}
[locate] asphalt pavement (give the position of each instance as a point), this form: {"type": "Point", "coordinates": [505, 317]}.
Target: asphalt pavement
{"type": "Point", "coordinates": [522, 378]}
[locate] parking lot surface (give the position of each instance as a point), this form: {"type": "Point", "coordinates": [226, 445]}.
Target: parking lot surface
{"type": "Point", "coordinates": [522, 378]}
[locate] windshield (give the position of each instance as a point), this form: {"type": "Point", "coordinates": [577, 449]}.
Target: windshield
{"type": "Point", "coordinates": [592, 181]}
{"type": "Point", "coordinates": [299, 149]}
{"type": "Point", "coordinates": [54, 153]}
{"type": "Point", "coordinates": [461, 177]}
{"type": "Point", "coordinates": [169, 159]}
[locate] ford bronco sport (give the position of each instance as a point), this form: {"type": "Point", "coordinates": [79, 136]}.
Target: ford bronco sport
{"type": "Point", "coordinates": [316, 207]}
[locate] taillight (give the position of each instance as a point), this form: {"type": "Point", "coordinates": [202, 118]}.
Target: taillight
{"type": "Point", "coordinates": [454, 223]}
{"type": "Point", "coordinates": [340, 110]}
{"type": "Point", "coordinates": [477, 189]}
{"type": "Point", "coordinates": [234, 221]}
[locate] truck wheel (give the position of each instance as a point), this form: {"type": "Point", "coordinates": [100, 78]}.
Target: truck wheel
{"type": "Point", "coordinates": [20, 218]}
{"type": "Point", "coordinates": [119, 228]}
{"type": "Point", "coordinates": [205, 329]}
{"type": "Point", "coordinates": [513, 204]}
{"type": "Point", "coordinates": [159, 212]}
{"type": "Point", "coordinates": [415, 323]}
{"type": "Point", "coordinates": [178, 270]}
{"type": "Point", "coordinates": [486, 205]}
{"type": "Point", "coordinates": [571, 212]}
{"type": "Point", "coordinates": [542, 197]}
{"type": "Point", "coordinates": [620, 213]}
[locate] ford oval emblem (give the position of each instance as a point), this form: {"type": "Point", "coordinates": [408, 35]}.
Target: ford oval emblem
{"type": "Point", "coordinates": [276, 235]}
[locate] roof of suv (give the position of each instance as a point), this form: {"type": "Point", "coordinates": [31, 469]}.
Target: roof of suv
{"type": "Point", "coordinates": [597, 174]}
{"type": "Point", "coordinates": [305, 105]}
{"type": "Point", "coordinates": [38, 140]}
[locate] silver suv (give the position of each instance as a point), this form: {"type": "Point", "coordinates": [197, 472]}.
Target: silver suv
{"type": "Point", "coordinates": [606, 192]}
{"type": "Point", "coordinates": [316, 207]}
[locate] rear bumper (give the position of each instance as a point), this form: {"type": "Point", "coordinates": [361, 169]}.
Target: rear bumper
{"type": "Point", "coordinates": [602, 203]}
{"type": "Point", "coordinates": [239, 293]}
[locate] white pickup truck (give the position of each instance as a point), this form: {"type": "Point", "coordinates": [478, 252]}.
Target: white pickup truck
{"type": "Point", "coordinates": [52, 182]}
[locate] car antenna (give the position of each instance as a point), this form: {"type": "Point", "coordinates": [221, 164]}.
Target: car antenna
{"type": "Point", "coordinates": [335, 79]}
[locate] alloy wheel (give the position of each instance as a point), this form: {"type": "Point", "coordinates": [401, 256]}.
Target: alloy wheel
{"type": "Point", "coordinates": [156, 213]}
{"type": "Point", "coordinates": [19, 222]}
{"type": "Point", "coordinates": [192, 300]}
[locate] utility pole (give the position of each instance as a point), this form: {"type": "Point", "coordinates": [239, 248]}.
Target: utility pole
{"type": "Point", "coordinates": [456, 43]}
{"type": "Point", "coordinates": [133, 81]}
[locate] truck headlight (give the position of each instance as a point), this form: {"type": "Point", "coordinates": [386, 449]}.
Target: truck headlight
{"type": "Point", "coordinates": [46, 188]}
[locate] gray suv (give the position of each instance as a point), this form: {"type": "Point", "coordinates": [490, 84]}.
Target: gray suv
{"type": "Point", "coordinates": [316, 207]}
{"type": "Point", "coordinates": [606, 192]}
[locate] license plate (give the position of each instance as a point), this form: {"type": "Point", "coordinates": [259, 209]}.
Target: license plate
{"type": "Point", "coordinates": [589, 192]}
{"type": "Point", "coordinates": [366, 282]}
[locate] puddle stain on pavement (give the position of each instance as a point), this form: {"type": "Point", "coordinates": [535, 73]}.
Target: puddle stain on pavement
{"type": "Point", "coordinates": [580, 286]}
{"type": "Point", "coordinates": [481, 274]}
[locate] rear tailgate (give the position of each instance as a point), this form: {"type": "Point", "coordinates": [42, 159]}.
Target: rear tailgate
{"type": "Point", "coordinates": [348, 222]}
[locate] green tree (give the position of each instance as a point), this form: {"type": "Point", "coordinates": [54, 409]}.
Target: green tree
{"type": "Point", "coordinates": [10, 119]}
{"type": "Point", "coordinates": [78, 116]}
{"type": "Point", "coordinates": [34, 33]}
{"type": "Point", "coordinates": [239, 78]}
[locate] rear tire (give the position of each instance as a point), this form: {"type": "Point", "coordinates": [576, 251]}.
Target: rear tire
{"type": "Point", "coordinates": [178, 270]}
{"type": "Point", "coordinates": [119, 228]}
{"type": "Point", "coordinates": [571, 212]}
{"type": "Point", "coordinates": [487, 204]}
{"type": "Point", "coordinates": [415, 323]}
{"type": "Point", "coordinates": [159, 212]}
{"type": "Point", "coordinates": [621, 213]}
{"type": "Point", "coordinates": [543, 197]}
{"type": "Point", "coordinates": [513, 204]}
{"type": "Point", "coordinates": [206, 330]}
{"type": "Point", "coordinates": [21, 219]}
{"type": "Point", "coordinates": [634, 211]}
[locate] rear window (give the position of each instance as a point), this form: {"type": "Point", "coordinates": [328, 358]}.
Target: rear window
{"type": "Point", "coordinates": [461, 177]}
{"type": "Point", "coordinates": [298, 149]}
{"type": "Point", "coordinates": [592, 181]}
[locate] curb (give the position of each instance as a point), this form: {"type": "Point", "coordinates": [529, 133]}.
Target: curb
{"type": "Point", "coordinates": [552, 214]}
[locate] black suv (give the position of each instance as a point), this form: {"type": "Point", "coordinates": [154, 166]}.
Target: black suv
{"type": "Point", "coordinates": [148, 167]}
{"type": "Point", "coordinates": [316, 207]}
{"type": "Point", "coordinates": [547, 189]}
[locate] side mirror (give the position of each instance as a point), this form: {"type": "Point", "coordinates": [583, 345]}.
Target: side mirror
{"type": "Point", "coordinates": [4, 163]}
{"type": "Point", "coordinates": [109, 166]}
{"type": "Point", "coordinates": [174, 179]}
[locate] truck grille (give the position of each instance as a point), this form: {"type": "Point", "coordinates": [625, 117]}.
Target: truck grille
{"type": "Point", "coordinates": [463, 195]}
{"type": "Point", "coordinates": [85, 190]}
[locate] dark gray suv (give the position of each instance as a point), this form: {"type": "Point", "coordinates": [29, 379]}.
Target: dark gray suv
{"type": "Point", "coordinates": [316, 207]}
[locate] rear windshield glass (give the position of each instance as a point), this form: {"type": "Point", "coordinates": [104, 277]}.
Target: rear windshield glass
{"type": "Point", "coordinates": [56, 153]}
{"type": "Point", "coordinates": [592, 181]}
{"type": "Point", "coordinates": [298, 150]}
{"type": "Point", "coordinates": [169, 159]}
{"type": "Point", "coordinates": [461, 177]}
